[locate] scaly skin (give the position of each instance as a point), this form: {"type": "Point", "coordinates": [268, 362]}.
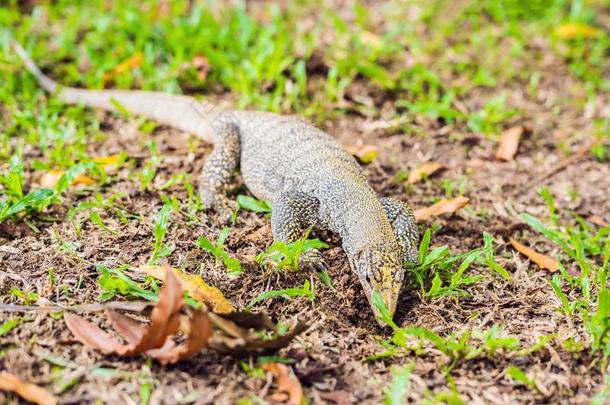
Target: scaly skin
{"type": "Point", "coordinates": [309, 178]}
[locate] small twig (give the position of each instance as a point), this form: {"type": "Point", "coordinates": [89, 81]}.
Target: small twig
{"type": "Point", "coordinates": [561, 165]}
{"type": "Point", "coordinates": [137, 306]}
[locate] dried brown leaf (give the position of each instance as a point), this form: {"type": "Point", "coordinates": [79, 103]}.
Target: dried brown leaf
{"type": "Point", "coordinates": [286, 381]}
{"type": "Point", "coordinates": [337, 397]}
{"type": "Point", "coordinates": [202, 65]}
{"type": "Point", "coordinates": [28, 391]}
{"type": "Point", "coordinates": [509, 143]}
{"type": "Point", "coordinates": [237, 338]}
{"type": "Point", "coordinates": [165, 319]}
{"type": "Point", "coordinates": [165, 322]}
{"type": "Point", "coordinates": [543, 261]}
{"type": "Point", "coordinates": [131, 329]}
{"type": "Point", "coordinates": [597, 220]}
{"type": "Point", "coordinates": [235, 334]}
{"type": "Point", "coordinates": [197, 288]}
{"type": "Point", "coordinates": [424, 171]}
{"type": "Point", "coordinates": [198, 335]}
{"type": "Point", "coordinates": [442, 207]}
{"type": "Point", "coordinates": [91, 335]}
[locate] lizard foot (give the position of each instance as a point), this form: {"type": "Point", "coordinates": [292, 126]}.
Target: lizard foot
{"type": "Point", "coordinates": [312, 260]}
{"type": "Point", "coordinates": [225, 209]}
{"type": "Point", "coordinates": [223, 206]}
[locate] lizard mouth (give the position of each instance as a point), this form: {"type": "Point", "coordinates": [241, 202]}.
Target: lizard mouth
{"type": "Point", "coordinates": [371, 279]}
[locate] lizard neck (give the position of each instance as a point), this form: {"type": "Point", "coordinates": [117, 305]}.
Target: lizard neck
{"type": "Point", "coordinates": [357, 215]}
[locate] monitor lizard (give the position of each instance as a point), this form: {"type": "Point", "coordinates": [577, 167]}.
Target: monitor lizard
{"type": "Point", "coordinates": [310, 180]}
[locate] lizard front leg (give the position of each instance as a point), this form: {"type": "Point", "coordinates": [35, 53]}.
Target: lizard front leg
{"type": "Point", "coordinates": [292, 214]}
{"type": "Point", "coordinates": [404, 224]}
{"type": "Point", "coordinates": [218, 170]}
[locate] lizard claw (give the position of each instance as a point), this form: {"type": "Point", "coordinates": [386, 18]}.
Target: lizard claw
{"type": "Point", "coordinates": [224, 207]}
{"type": "Point", "coordinates": [312, 260]}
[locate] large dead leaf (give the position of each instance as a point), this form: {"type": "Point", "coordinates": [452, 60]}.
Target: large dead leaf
{"type": "Point", "coordinates": [30, 392]}
{"type": "Point", "coordinates": [91, 335]}
{"type": "Point", "coordinates": [286, 381]}
{"type": "Point", "coordinates": [423, 171]}
{"type": "Point", "coordinates": [198, 335]}
{"type": "Point", "coordinates": [543, 261]}
{"type": "Point", "coordinates": [509, 143]}
{"type": "Point", "coordinates": [196, 287]}
{"type": "Point", "coordinates": [442, 207]}
{"type": "Point", "coordinates": [165, 322]}
{"type": "Point", "coordinates": [50, 179]}
{"type": "Point", "coordinates": [576, 30]}
{"type": "Point", "coordinates": [233, 333]}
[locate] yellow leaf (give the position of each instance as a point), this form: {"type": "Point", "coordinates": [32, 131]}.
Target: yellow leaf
{"type": "Point", "coordinates": [424, 170]}
{"type": "Point", "coordinates": [196, 287]}
{"type": "Point", "coordinates": [109, 163]}
{"type": "Point", "coordinates": [543, 261]}
{"type": "Point", "coordinates": [133, 61]}
{"type": "Point", "coordinates": [364, 153]}
{"type": "Point", "coordinates": [370, 39]}
{"type": "Point", "coordinates": [107, 160]}
{"type": "Point", "coordinates": [84, 180]}
{"type": "Point", "coordinates": [575, 31]}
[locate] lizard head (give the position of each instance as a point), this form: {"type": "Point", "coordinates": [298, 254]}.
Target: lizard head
{"type": "Point", "coordinates": [380, 267]}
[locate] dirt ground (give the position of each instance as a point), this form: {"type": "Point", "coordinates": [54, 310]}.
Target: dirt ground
{"type": "Point", "coordinates": [330, 356]}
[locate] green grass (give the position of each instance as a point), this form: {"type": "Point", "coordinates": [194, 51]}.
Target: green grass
{"type": "Point", "coordinates": [217, 249]}
{"type": "Point", "coordinates": [286, 256]}
{"type": "Point", "coordinates": [307, 291]}
{"type": "Point", "coordinates": [435, 276]}
{"type": "Point", "coordinates": [479, 45]}
{"type": "Point", "coordinates": [583, 295]}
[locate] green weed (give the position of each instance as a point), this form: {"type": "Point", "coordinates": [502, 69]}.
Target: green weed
{"type": "Point", "coordinates": [160, 249]}
{"type": "Point", "coordinates": [219, 252]}
{"type": "Point", "coordinates": [115, 282]}
{"type": "Point", "coordinates": [437, 263]}
{"type": "Point", "coordinates": [252, 204]}
{"type": "Point", "coordinates": [282, 255]}
{"type": "Point", "coordinates": [520, 376]}
{"type": "Point", "coordinates": [306, 291]}
{"type": "Point", "coordinates": [397, 392]}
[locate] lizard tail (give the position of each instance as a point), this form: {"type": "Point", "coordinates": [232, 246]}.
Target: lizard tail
{"type": "Point", "coordinates": [45, 81]}
{"type": "Point", "coordinates": [182, 112]}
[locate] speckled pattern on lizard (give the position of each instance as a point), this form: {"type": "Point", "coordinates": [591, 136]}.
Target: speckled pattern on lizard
{"type": "Point", "coordinates": [310, 180]}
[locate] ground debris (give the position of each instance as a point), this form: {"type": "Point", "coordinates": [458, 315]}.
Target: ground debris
{"type": "Point", "coordinates": [201, 327]}
{"type": "Point", "coordinates": [30, 392]}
